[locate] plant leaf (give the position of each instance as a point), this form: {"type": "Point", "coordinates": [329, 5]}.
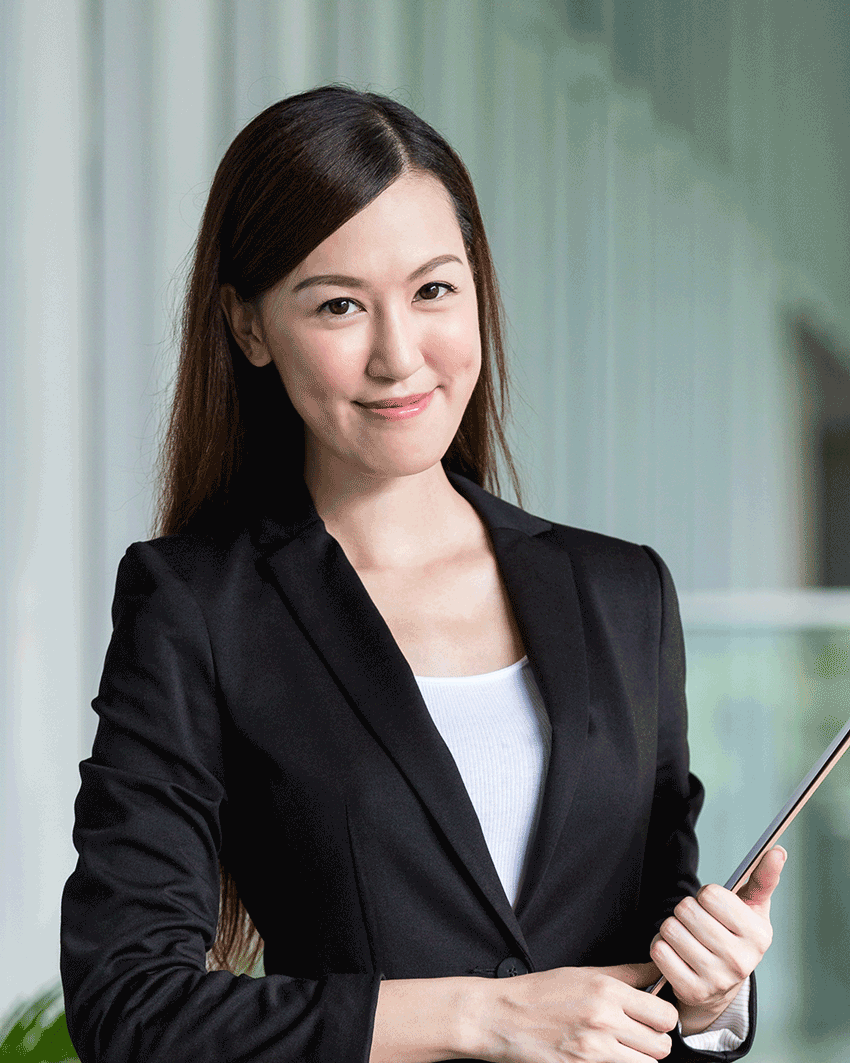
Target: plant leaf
{"type": "Point", "coordinates": [36, 1030]}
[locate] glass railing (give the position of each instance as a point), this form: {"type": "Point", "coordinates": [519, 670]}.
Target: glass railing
{"type": "Point", "coordinates": [768, 689]}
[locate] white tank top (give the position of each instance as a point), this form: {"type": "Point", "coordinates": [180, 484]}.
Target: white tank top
{"type": "Point", "coordinates": [497, 730]}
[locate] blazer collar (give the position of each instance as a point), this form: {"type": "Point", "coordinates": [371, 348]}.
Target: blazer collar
{"type": "Point", "coordinates": [275, 526]}
{"type": "Point", "coordinates": [321, 587]}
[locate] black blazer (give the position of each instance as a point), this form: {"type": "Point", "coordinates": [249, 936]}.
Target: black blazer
{"type": "Point", "coordinates": [254, 705]}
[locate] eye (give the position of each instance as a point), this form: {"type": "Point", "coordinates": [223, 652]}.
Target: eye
{"type": "Point", "coordinates": [337, 307]}
{"type": "Point", "coordinates": [428, 291]}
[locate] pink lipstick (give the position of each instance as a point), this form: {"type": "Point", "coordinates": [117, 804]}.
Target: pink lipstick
{"type": "Point", "coordinates": [401, 408]}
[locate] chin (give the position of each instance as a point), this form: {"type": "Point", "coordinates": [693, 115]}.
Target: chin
{"type": "Point", "coordinates": [403, 464]}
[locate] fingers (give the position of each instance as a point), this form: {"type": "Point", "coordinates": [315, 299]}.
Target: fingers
{"type": "Point", "coordinates": [717, 926]}
{"type": "Point", "coordinates": [580, 1013]}
{"type": "Point", "coordinates": [649, 1011]}
{"type": "Point", "coordinates": [638, 1038]}
{"type": "Point", "coordinates": [618, 1039]}
{"type": "Point", "coordinates": [638, 1022]}
{"type": "Point", "coordinates": [636, 975]}
{"type": "Point", "coordinates": [716, 917]}
{"type": "Point", "coordinates": [698, 976]}
{"type": "Point", "coordinates": [764, 878]}
{"type": "Point", "coordinates": [714, 941]}
{"type": "Point", "coordinates": [694, 936]}
{"type": "Point", "coordinates": [715, 909]}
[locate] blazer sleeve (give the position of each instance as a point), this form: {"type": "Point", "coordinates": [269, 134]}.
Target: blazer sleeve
{"type": "Point", "coordinates": [671, 855]}
{"type": "Point", "coordinates": [140, 910]}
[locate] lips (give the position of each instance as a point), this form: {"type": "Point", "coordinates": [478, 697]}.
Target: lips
{"type": "Point", "coordinates": [395, 404]}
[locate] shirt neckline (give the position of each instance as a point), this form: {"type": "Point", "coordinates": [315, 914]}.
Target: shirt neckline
{"type": "Point", "coordinates": [480, 677]}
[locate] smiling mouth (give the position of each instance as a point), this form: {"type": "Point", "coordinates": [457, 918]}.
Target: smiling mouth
{"type": "Point", "coordinates": [401, 409]}
{"type": "Point", "coordinates": [395, 404]}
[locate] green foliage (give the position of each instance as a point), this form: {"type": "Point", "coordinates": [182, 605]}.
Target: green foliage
{"type": "Point", "coordinates": [36, 1031]}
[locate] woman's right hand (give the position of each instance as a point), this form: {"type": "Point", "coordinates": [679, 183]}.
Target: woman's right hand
{"type": "Point", "coordinates": [569, 1014]}
{"type": "Point", "coordinates": [591, 1014]}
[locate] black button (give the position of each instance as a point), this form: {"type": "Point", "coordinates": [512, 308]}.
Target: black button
{"type": "Point", "coordinates": [511, 966]}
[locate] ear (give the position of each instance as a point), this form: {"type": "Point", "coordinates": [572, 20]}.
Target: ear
{"type": "Point", "coordinates": [245, 324]}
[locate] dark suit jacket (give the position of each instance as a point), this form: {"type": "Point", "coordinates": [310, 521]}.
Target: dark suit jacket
{"type": "Point", "coordinates": [254, 705]}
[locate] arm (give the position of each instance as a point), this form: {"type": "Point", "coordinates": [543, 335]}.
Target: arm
{"type": "Point", "coordinates": [140, 911]}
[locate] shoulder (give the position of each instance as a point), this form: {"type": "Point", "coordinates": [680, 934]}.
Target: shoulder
{"type": "Point", "coordinates": [608, 559]}
{"type": "Point", "coordinates": [624, 589]}
{"type": "Point", "coordinates": [597, 559]}
{"type": "Point", "coordinates": [191, 563]}
{"type": "Point", "coordinates": [622, 584]}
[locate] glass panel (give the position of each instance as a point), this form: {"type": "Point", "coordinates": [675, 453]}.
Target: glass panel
{"type": "Point", "coordinates": [764, 702]}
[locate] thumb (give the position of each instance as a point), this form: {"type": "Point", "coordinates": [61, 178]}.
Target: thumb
{"type": "Point", "coordinates": [764, 879]}
{"type": "Point", "coordinates": [637, 975]}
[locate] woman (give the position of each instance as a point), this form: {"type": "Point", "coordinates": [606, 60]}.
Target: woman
{"type": "Point", "coordinates": [429, 740]}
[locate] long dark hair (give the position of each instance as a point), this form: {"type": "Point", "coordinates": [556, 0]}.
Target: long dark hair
{"type": "Point", "coordinates": [294, 175]}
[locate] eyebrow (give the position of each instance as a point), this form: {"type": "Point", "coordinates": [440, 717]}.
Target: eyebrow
{"type": "Point", "coordinates": [354, 282]}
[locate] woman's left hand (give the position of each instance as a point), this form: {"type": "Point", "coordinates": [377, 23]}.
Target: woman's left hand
{"type": "Point", "coordinates": [713, 942]}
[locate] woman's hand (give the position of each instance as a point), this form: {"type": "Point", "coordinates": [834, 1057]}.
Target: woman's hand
{"type": "Point", "coordinates": [592, 1014]}
{"type": "Point", "coordinates": [595, 1014]}
{"type": "Point", "coordinates": [714, 941]}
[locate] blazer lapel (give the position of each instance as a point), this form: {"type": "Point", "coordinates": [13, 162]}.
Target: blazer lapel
{"type": "Point", "coordinates": [539, 580]}
{"type": "Point", "coordinates": [331, 604]}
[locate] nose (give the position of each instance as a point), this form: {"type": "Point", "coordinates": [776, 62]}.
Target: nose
{"type": "Point", "coordinates": [395, 350]}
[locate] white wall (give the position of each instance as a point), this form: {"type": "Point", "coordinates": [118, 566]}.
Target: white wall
{"type": "Point", "coordinates": [42, 458]}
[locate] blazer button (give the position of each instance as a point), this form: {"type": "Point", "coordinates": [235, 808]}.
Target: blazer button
{"type": "Point", "coordinates": [511, 966]}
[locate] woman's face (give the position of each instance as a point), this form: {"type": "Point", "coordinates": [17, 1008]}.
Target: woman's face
{"type": "Point", "coordinates": [384, 308]}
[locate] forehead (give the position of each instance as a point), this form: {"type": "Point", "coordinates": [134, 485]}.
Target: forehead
{"type": "Point", "coordinates": [412, 220]}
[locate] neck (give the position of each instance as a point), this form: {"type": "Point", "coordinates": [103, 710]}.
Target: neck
{"type": "Point", "coordinates": [391, 522]}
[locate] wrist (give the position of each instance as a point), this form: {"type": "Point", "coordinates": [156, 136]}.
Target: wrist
{"type": "Point", "coordinates": [506, 1015]}
{"type": "Point", "coordinates": [419, 1020]}
{"type": "Point", "coordinates": [469, 1007]}
{"type": "Point", "coordinates": [481, 1006]}
{"type": "Point", "coordinates": [696, 1018]}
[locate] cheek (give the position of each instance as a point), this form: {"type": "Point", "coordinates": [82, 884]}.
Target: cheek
{"type": "Point", "coordinates": [317, 369]}
{"type": "Point", "coordinates": [459, 344]}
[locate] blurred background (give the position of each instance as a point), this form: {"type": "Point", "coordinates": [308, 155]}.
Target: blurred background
{"type": "Point", "coordinates": [666, 186]}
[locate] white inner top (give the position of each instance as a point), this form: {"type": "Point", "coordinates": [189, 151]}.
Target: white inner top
{"type": "Point", "coordinates": [498, 732]}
